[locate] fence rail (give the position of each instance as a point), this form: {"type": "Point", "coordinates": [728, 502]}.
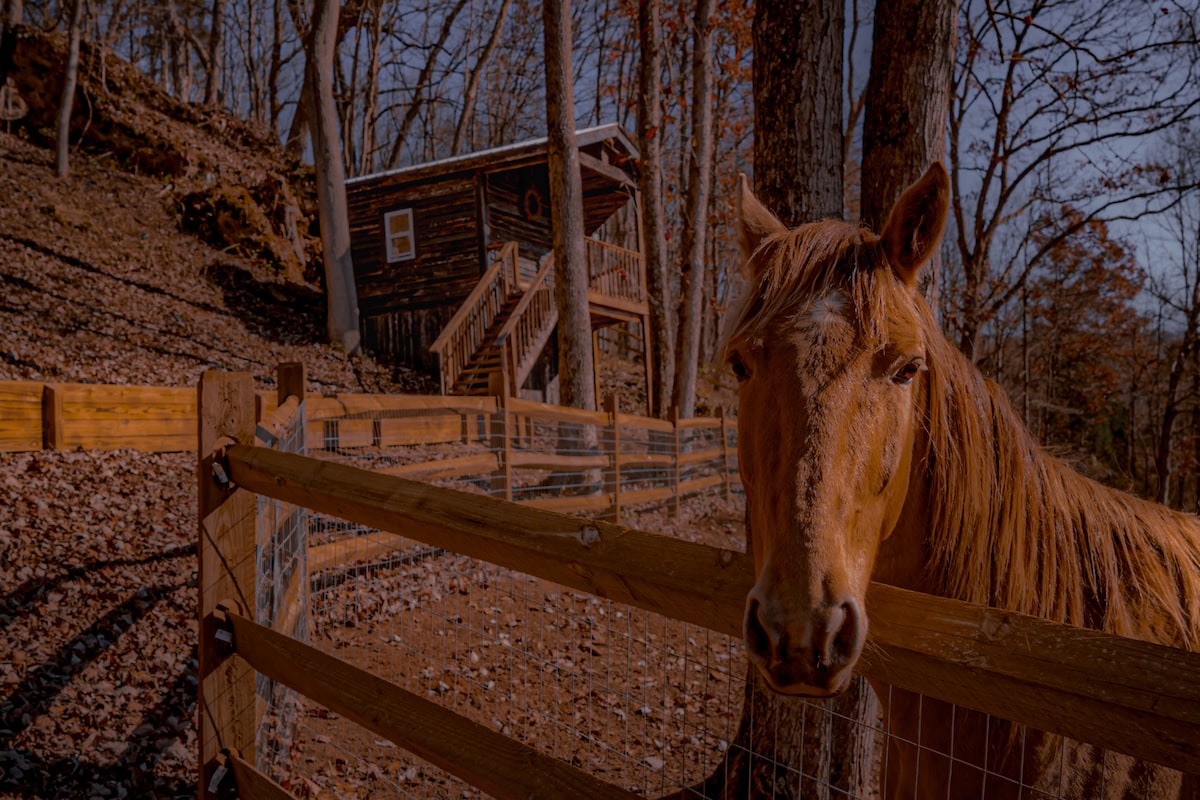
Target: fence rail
{"type": "Point", "coordinates": [644, 460]}
{"type": "Point", "coordinates": [1129, 696]}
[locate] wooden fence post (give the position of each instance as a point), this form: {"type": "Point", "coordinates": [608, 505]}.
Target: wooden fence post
{"type": "Point", "coordinates": [612, 408]}
{"type": "Point", "coordinates": [676, 469]}
{"type": "Point", "coordinates": [725, 453]}
{"type": "Point", "coordinates": [502, 430]}
{"type": "Point", "coordinates": [227, 701]}
{"type": "Point", "coordinates": [52, 417]}
{"type": "Point", "coordinates": [290, 380]}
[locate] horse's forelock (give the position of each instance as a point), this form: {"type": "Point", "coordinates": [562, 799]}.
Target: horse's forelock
{"type": "Point", "coordinates": [795, 268]}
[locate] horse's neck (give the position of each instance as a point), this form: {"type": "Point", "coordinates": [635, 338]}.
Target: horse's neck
{"type": "Point", "coordinates": [903, 558]}
{"type": "Point", "coordinates": [1021, 530]}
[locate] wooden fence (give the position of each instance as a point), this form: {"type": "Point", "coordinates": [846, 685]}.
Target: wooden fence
{"type": "Point", "coordinates": [1129, 696]}
{"type": "Point", "coordinates": [153, 419]}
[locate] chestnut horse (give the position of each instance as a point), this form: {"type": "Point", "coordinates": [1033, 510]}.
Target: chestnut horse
{"type": "Point", "coordinates": [871, 448]}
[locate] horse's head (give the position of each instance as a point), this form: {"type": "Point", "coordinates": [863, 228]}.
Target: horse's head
{"type": "Point", "coordinates": [829, 352]}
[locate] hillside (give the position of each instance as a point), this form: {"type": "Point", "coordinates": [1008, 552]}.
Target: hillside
{"type": "Point", "coordinates": [97, 558]}
{"type": "Point", "coordinates": [101, 285]}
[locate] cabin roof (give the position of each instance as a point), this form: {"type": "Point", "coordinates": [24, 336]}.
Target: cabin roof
{"type": "Point", "coordinates": [509, 156]}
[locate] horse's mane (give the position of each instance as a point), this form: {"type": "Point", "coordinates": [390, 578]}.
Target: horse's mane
{"type": "Point", "coordinates": [1014, 527]}
{"type": "Point", "coordinates": [1009, 525]}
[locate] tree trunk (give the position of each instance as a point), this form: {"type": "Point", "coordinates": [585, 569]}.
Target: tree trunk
{"type": "Point", "coordinates": [577, 386]}
{"type": "Point", "coordinates": [63, 149]}
{"type": "Point", "coordinates": [907, 102]}
{"type": "Point", "coordinates": [216, 49]}
{"type": "Point", "coordinates": [340, 292]}
{"type": "Point", "coordinates": [653, 213]}
{"type": "Point", "coordinates": [12, 14]}
{"type": "Point", "coordinates": [798, 174]}
{"type": "Point", "coordinates": [1162, 453]}
{"type": "Point", "coordinates": [798, 107]}
{"type": "Point", "coordinates": [695, 223]}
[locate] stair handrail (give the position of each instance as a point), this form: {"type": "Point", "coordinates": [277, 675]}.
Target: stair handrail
{"type": "Point", "coordinates": [463, 334]}
{"type": "Point", "coordinates": [513, 347]}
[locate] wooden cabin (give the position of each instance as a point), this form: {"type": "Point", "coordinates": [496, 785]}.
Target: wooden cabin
{"type": "Point", "coordinates": [453, 261]}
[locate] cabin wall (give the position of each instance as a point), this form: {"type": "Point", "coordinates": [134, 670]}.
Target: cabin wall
{"type": "Point", "coordinates": [404, 305]}
{"type": "Point", "coordinates": [518, 208]}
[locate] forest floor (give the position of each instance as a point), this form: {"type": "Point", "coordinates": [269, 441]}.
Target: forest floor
{"type": "Point", "coordinates": [97, 549]}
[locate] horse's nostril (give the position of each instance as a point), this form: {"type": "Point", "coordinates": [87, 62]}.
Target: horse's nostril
{"type": "Point", "coordinates": [847, 632]}
{"type": "Point", "coordinates": [758, 641]}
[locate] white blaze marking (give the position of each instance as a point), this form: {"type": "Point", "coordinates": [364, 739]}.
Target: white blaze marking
{"type": "Point", "coordinates": [828, 309]}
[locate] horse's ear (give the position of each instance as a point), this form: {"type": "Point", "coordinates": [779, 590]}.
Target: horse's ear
{"type": "Point", "coordinates": [755, 222]}
{"type": "Point", "coordinates": [916, 224]}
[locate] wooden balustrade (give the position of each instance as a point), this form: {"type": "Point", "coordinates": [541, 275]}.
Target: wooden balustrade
{"type": "Point", "coordinates": [464, 334]}
{"type": "Point", "coordinates": [615, 271]}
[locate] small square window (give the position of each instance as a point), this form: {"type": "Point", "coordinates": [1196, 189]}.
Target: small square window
{"type": "Point", "coordinates": [399, 235]}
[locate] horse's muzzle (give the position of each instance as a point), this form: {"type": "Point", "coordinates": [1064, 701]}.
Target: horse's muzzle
{"type": "Point", "coordinates": [805, 654]}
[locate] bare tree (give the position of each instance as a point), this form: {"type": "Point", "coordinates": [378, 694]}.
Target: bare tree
{"type": "Point", "coordinates": [577, 386]}
{"type": "Point", "coordinates": [12, 14]}
{"type": "Point", "coordinates": [1047, 100]}
{"type": "Point", "coordinates": [695, 222]}
{"type": "Point", "coordinates": [216, 50]}
{"type": "Point", "coordinates": [62, 151]}
{"type": "Point", "coordinates": [1177, 292]}
{"type": "Point", "coordinates": [798, 174]}
{"type": "Point", "coordinates": [798, 108]}
{"type": "Point", "coordinates": [906, 103]}
{"type": "Point", "coordinates": [473, 80]}
{"type": "Point", "coordinates": [653, 217]}
{"type": "Point", "coordinates": [340, 292]}
{"type": "Point", "coordinates": [423, 82]}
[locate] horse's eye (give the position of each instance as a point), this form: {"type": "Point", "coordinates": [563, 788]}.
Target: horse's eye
{"type": "Point", "coordinates": [740, 371]}
{"type": "Point", "coordinates": [905, 374]}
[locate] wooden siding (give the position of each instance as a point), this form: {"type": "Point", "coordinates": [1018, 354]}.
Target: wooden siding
{"type": "Point", "coordinates": [405, 335]}
{"type": "Point", "coordinates": [506, 218]}
{"type": "Point", "coordinates": [448, 239]}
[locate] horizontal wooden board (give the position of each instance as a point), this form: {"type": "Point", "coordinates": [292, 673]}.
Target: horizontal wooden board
{"type": "Point", "coordinates": [433, 429]}
{"type": "Point", "coordinates": [645, 460]}
{"type": "Point", "coordinates": [700, 456]}
{"type": "Point", "coordinates": [545, 411]}
{"type": "Point", "coordinates": [345, 405]}
{"type": "Point", "coordinates": [145, 418]}
{"type": "Point", "coordinates": [354, 432]}
{"type": "Point", "coordinates": [552, 461]}
{"type": "Point", "coordinates": [367, 547]}
{"type": "Point", "coordinates": [569, 504]}
{"type": "Point", "coordinates": [637, 497]}
{"type": "Point", "coordinates": [646, 423]}
{"type": "Point", "coordinates": [20, 416]}
{"type": "Point", "coordinates": [481, 464]}
{"type": "Point", "coordinates": [699, 422]}
{"type": "Point", "coordinates": [503, 768]}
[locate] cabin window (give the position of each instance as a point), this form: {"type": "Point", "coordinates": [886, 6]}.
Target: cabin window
{"type": "Point", "coordinates": [400, 236]}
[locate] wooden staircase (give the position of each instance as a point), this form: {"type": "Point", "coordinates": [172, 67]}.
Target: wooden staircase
{"type": "Point", "coordinates": [474, 376]}
{"type": "Point", "coordinates": [499, 330]}
{"type": "Point", "coordinates": [503, 325]}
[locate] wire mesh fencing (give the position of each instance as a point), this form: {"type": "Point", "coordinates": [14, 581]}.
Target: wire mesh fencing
{"type": "Point", "coordinates": [643, 701]}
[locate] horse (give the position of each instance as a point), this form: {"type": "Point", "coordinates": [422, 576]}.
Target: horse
{"type": "Point", "coordinates": [871, 448]}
